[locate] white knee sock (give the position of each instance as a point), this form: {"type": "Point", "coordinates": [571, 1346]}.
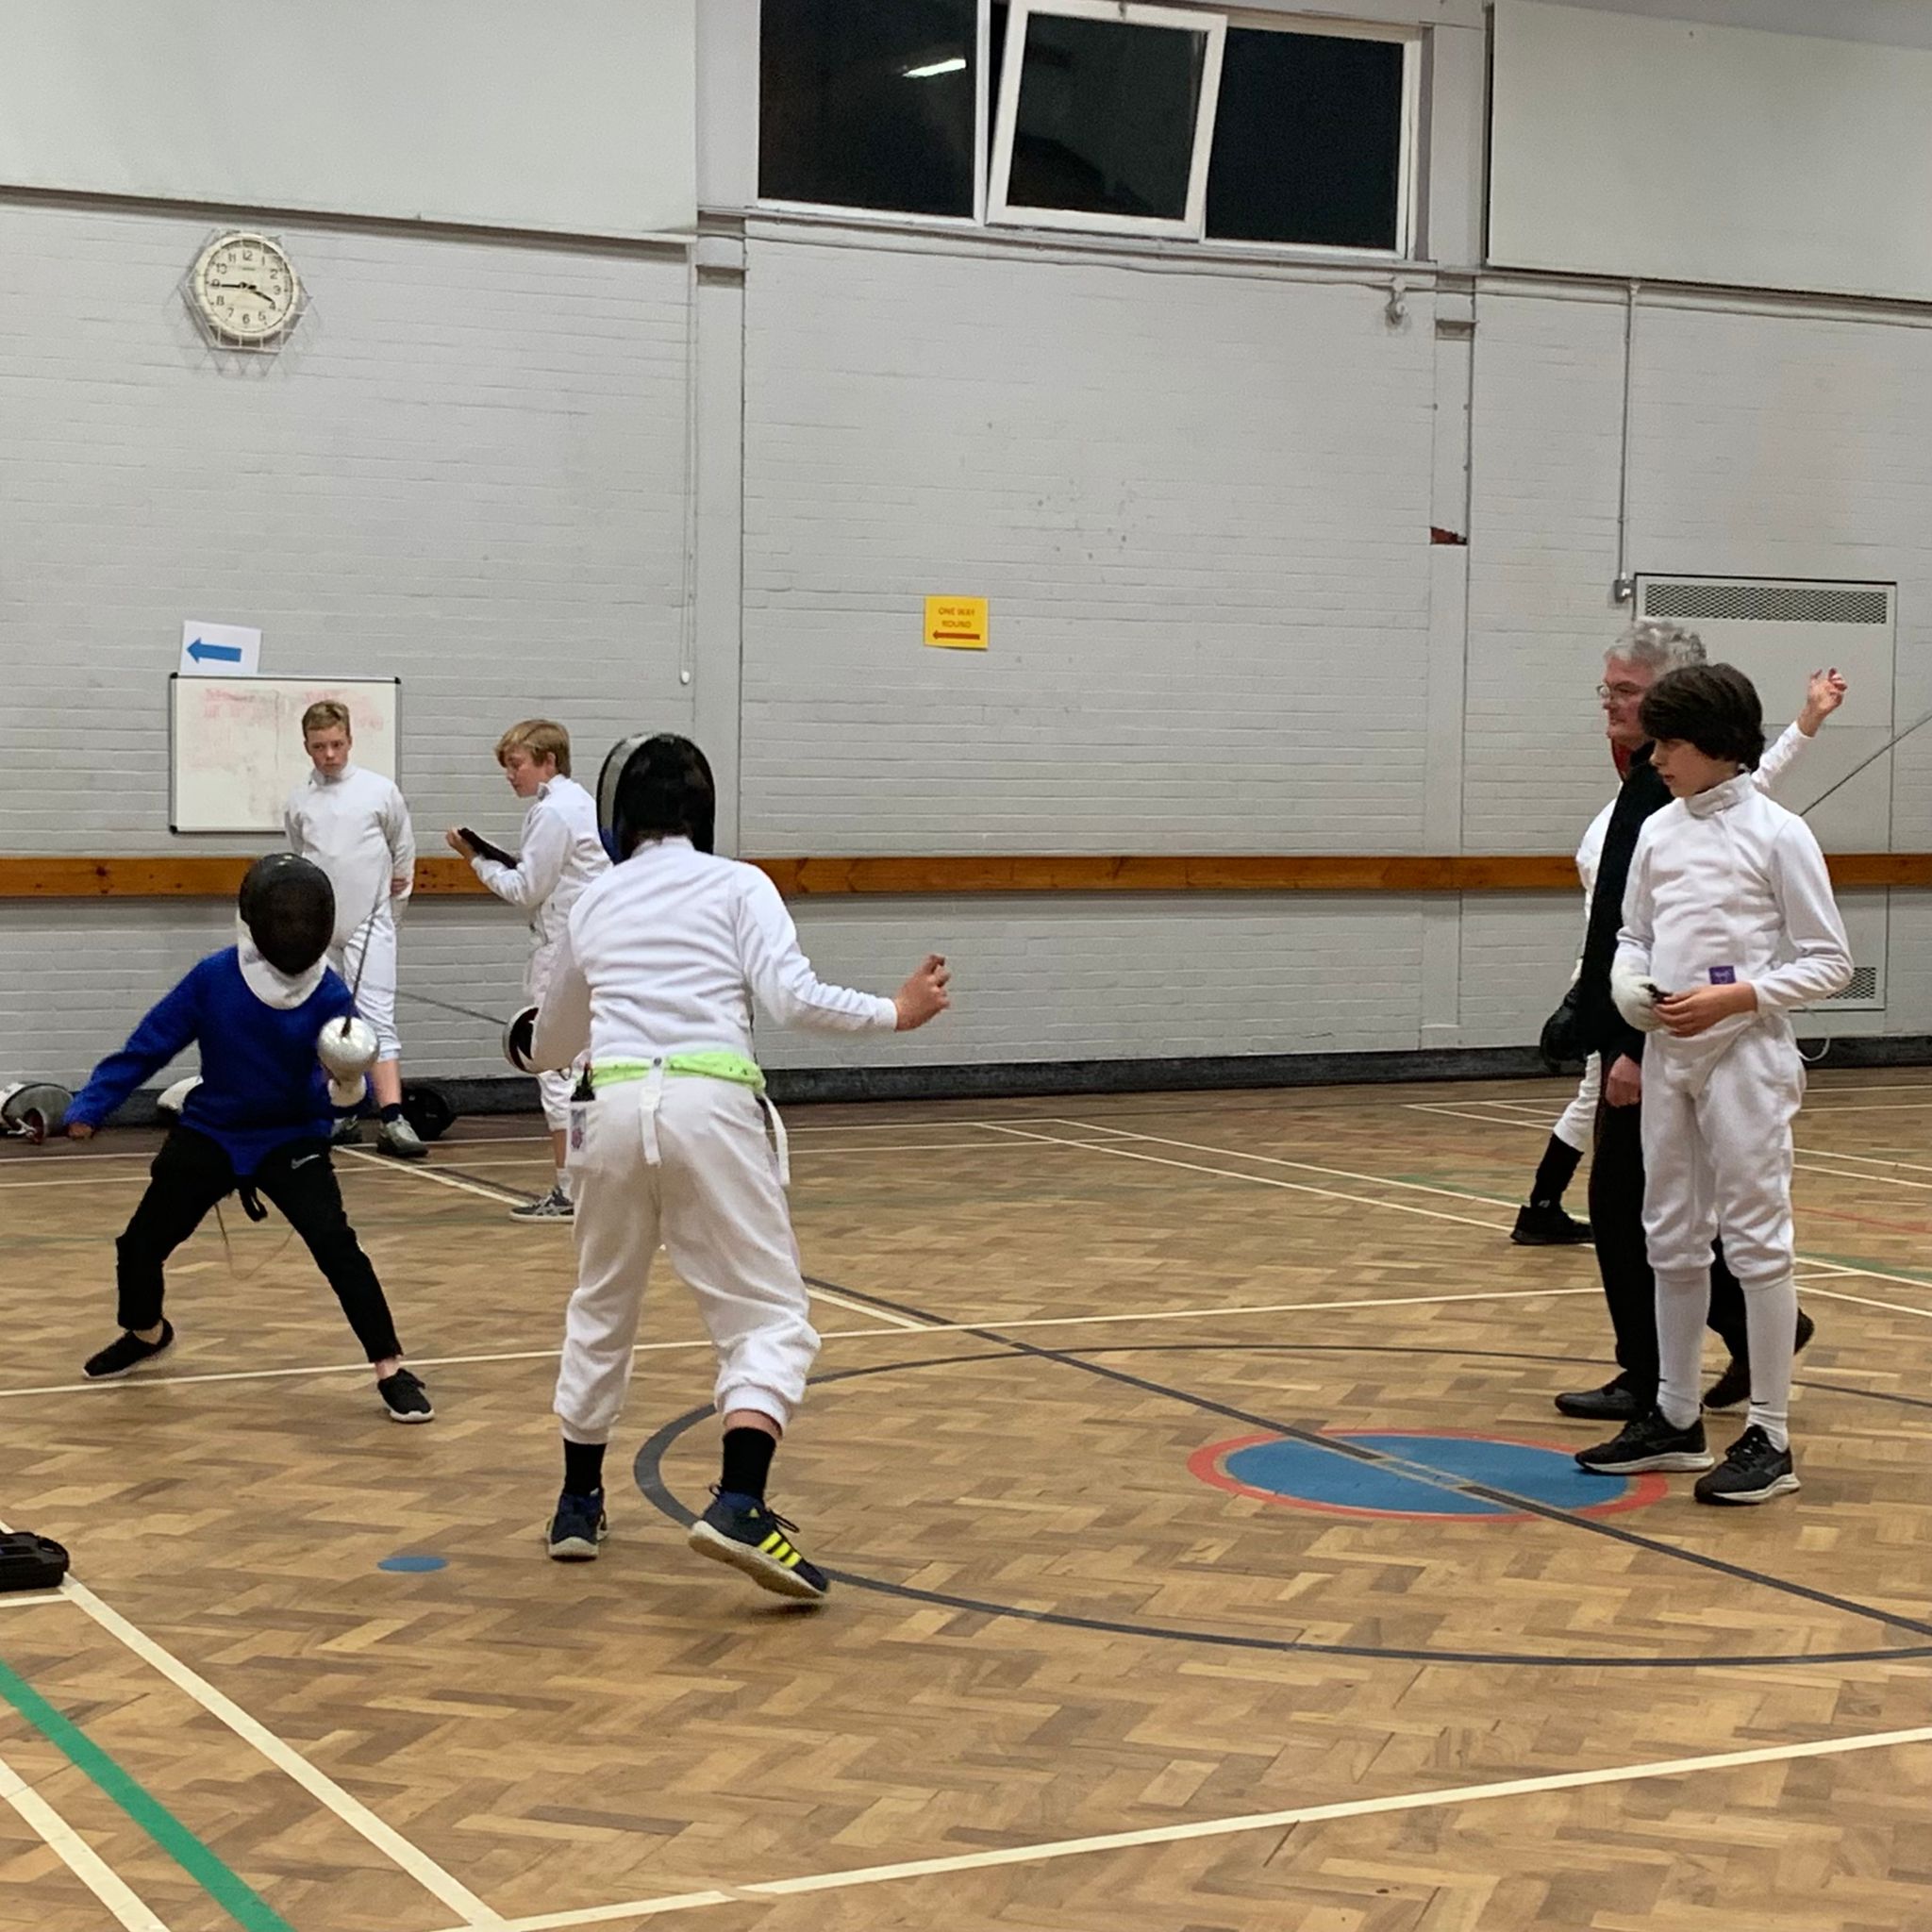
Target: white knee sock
{"type": "Point", "coordinates": [1683, 1301]}
{"type": "Point", "coordinates": [1771, 1320]}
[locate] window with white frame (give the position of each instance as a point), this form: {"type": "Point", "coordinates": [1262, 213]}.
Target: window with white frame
{"type": "Point", "coordinates": [1112, 116]}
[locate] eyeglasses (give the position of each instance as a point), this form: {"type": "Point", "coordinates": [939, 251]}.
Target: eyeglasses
{"type": "Point", "coordinates": [1621, 690]}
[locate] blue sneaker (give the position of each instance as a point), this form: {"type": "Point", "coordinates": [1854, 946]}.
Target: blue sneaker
{"type": "Point", "coordinates": [742, 1532]}
{"type": "Point", "coordinates": [577, 1528]}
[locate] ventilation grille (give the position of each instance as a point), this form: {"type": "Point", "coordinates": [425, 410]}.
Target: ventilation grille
{"type": "Point", "coordinates": [1864, 985]}
{"type": "Point", "coordinates": [1766, 603]}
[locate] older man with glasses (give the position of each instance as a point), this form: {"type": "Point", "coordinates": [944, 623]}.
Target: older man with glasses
{"type": "Point", "coordinates": [1607, 1104]}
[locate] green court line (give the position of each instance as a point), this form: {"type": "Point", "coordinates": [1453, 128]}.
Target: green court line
{"type": "Point", "coordinates": [241, 1903]}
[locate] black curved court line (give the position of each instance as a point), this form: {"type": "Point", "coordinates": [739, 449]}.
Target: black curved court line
{"type": "Point", "coordinates": [1361, 1452]}
{"type": "Point", "coordinates": [647, 1470]}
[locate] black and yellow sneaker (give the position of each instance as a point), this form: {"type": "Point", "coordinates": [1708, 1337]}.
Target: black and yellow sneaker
{"type": "Point", "coordinates": [742, 1532]}
{"type": "Point", "coordinates": [1754, 1470]}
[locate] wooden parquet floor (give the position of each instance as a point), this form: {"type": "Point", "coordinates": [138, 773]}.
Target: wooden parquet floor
{"type": "Point", "coordinates": [1044, 1323]}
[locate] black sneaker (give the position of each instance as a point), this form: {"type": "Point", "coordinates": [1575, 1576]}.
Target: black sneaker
{"type": "Point", "coordinates": [751, 1537]}
{"type": "Point", "coordinates": [1615, 1402]}
{"type": "Point", "coordinates": [1732, 1390]}
{"type": "Point", "coordinates": [126, 1353]}
{"type": "Point", "coordinates": [1545, 1224]}
{"type": "Point", "coordinates": [577, 1528]}
{"type": "Point", "coordinates": [1753, 1471]}
{"type": "Point", "coordinates": [1649, 1443]}
{"type": "Point", "coordinates": [404, 1397]}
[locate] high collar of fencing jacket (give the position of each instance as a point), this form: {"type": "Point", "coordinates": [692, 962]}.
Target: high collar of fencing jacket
{"type": "Point", "coordinates": [1704, 805]}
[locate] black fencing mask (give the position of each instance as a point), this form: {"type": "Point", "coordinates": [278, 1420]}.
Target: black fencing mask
{"type": "Point", "coordinates": [289, 907]}
{"type": "Point", "coordinates": [655, 786]}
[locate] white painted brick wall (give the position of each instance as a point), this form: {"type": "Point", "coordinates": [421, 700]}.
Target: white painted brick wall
{"type": "Point", "coordinates": [467, 468]}
{"type": "Point", "coordinates": [1199, 505]}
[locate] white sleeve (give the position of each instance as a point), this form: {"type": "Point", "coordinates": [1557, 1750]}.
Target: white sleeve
{"type": "Point", "coordinates": [540, 865]}
{"type": "Point", "coordinates": [1638, 931]}
{"type": "Point", "coordinates": [291, 826]}
{"type": "Point", "coordinates": [564, 1021]}
{"type": "Point", "coordinates": [401, 839]}
{"type": "Point", "coordinates": [781, 975]}
{"type": "Point", "coordinates": [1802, 886]}
{"type": "Point", "coordinates": [1784, 752]}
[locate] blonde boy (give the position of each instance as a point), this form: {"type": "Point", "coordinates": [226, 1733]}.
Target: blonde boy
{"type": "Point", "coordinates": [355, 825]}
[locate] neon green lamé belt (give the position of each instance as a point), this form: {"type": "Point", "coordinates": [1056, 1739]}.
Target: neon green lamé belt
{"type": "Point", "coordinates": [711, 1063]}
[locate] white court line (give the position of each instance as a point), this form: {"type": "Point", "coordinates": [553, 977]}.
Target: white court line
{"type": "Point", "coordinates": [892, 1315]}
{"type": "Point", "coordinates": [900, 1325]}
{"type": "Point", "coordinates": [487, 1190]}
{"type": "Point", "coordinates": [286, 1758]}
{"type": "Point", "coordinates": [9, 1600]}
{"type": "Point", "coordinates": [1489, 1120]}
{"type": "Point", "coordinates": [76, 1852]}
{"type": "Point", "coordinates": [1223, 1827]}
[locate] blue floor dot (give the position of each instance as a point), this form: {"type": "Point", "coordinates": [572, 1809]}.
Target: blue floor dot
{"type": "Point", "coordinates": [413, 1563]}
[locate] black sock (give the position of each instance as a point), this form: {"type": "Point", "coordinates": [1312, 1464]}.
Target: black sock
{"type": "Point", "coordinates": [1554, 1174]}
{"type": "Point", "coordinates": [393, 1111]}
{"type": "Point", "coordinates": [747, 1463]}
{"type": "Point", "coordinates": [583, 1466]}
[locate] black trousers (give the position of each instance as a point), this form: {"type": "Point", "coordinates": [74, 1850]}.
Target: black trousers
{"type": "Point", "coordinates": [190, 1173]}
{"type": "Point", "coordinates": [1616, 1223]}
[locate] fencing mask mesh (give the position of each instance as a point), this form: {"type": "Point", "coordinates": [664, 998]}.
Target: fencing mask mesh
{"type": "Point", "coordinates": [289, 907]}
{"type": "Point", "coordinates": [655, 786]}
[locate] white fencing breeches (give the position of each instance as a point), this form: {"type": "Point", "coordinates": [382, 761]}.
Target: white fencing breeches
{"type": "Point", "coordinates": [1719, 1162]}
{"type": "Point", "coordinates": [1578, 1123]}
{"type": "Point", "coordinates": [684, 1160]}
{"type": "Point", "coordinates": [554, 1090]}
{"type": "Point", "coordinates": [376, 996]}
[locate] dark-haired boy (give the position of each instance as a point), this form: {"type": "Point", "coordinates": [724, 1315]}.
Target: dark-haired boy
{"type": "Point", "coordinates": [1728, 924]}
{"type": "Point", "coordinates": [654, 979]}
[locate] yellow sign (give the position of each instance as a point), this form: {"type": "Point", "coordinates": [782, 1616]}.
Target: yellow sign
{"type": "Point", "coordinates": [956, 623]}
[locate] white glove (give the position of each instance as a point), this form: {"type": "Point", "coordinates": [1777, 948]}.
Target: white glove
{"type": "Point", "coordinates": [346, 1048]}
{"type": "Point", "coordinates": [348, 1092]}
{"type": "Point", "coordinates": [1636, 998]}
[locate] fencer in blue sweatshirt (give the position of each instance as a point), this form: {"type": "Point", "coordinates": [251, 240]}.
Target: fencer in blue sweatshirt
{"type": "Point", "coordinates": [259, 1120]}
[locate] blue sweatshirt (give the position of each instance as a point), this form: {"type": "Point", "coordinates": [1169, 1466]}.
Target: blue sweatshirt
{"type": "Point", "coordinates": [261, 1085]}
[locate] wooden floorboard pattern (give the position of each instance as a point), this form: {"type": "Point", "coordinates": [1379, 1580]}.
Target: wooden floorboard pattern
{"type": "Point", "coordinates": [1051, 1629]}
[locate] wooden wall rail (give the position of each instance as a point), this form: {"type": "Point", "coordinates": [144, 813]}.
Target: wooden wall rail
{"type": "Point", "coordinates": [208, 878]}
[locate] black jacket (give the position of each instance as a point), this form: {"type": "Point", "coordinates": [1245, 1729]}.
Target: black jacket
{"type": "Point", "coordinates": [1600, 1025]}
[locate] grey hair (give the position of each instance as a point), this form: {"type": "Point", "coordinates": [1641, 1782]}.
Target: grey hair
{"type": "Point", "coordinates": [1658, 646]}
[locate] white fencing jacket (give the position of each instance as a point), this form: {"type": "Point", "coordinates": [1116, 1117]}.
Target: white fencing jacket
{"type": "Point", "coordinates": [561, 854]}
{"type": "Point", "coordinates": [355, 826]}
{"type": "Point", "coordinates": [1724, 887]}
{"type": "Point", "coordinates": [663, 954]}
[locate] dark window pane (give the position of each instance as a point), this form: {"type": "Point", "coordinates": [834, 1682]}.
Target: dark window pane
{"type": "Point", "coordinates": [868, 103]}
{"type": "Point", "coordinates": [1308, 140]}
{"type": "Point", "coordinates": [1105, 122]}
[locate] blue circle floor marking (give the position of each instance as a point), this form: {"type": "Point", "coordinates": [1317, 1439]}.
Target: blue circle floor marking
{"type": "Point", "coordinates": [411, 1564]}
{"type": "Point", "coordinates": [1303, 1475]}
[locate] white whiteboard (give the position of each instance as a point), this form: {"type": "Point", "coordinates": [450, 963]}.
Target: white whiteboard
{"type": "Point", "coordinates": [235, 745]}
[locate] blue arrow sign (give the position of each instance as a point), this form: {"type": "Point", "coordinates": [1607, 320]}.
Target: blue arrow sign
{"type": "Point", "coordinates": [220, 653]}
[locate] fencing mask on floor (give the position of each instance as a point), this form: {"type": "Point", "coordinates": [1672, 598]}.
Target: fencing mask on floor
{"type": "Point", "coordinates": [655, 786]}
{"type": "Point", "coordinates": [32, 1109]}
{"type": "Point", "coordinates": [289, 907]}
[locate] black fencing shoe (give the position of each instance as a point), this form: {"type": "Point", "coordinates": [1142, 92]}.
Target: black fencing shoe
{"type": "Point", "coordinates": [404, 1397]}
{"type": "Point", "coordinates": [1732, 1390]}
{"type": "Point", "coordinates": [1615, 1402]}
{"type": "Point", "coordinates": [749, 1537]}
{"type": "Point", "coordinates": [1545, 1224]}
{"type": "Point", "coordinates": [1753, 1471]}
{"type": "Point", "coordinates": [1649, 1443]}
{"type": "Point", "coordinates": [577, 1528]}
{"type": "Point", "coordinates": [126, 1353]}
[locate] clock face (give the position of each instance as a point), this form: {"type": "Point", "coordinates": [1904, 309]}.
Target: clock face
{"type": "Point", "coordinates": [245, 288]}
